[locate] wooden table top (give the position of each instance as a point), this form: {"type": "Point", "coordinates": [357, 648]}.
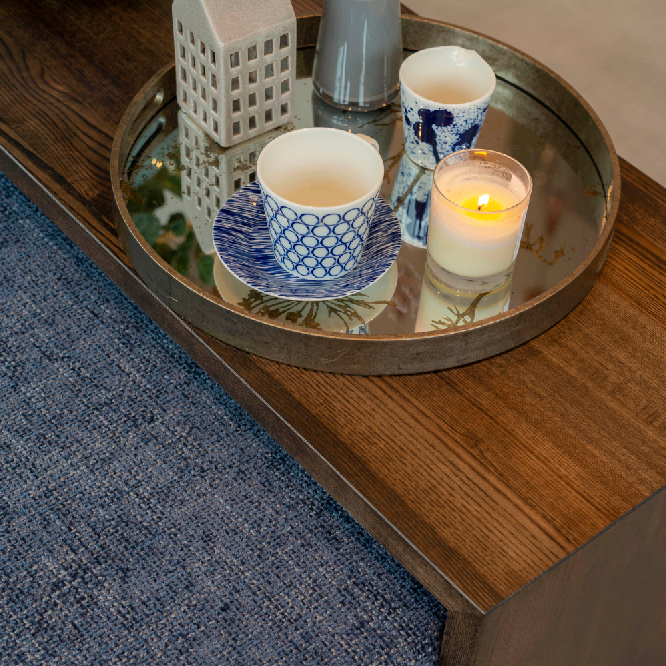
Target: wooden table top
{"type": "Point", "coordinates": [477, 478]}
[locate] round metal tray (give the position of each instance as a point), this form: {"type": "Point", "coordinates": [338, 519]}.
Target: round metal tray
{"type": "Point", "coordinates": [536, 117]}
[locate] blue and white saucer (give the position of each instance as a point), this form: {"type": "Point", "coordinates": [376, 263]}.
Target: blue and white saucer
{"type": "Point", "coordinates": [243, 243]}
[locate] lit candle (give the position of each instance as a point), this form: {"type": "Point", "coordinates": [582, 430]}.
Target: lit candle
{"type": "Point", "coordinates": [478, 208]}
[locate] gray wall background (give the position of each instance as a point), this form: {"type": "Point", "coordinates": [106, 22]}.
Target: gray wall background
{"type": "Point", "coordinates": [613, 52]}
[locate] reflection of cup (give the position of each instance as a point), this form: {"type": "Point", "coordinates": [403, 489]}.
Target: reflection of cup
{"type": "Point", "coordinates": [319, 188]}
{"type": "Point", "coordinates": [350, 314]}
{"type": "Point", "coordinates": [441, 308]}
{"type": "Point", "coordinates": [380, 124]}
{"type": "Point", "coordinates": [410, 201]}
{"type": "Point", "coordinates": [477, 213]}
{"type": "Point", "coordinates": [445, 92]}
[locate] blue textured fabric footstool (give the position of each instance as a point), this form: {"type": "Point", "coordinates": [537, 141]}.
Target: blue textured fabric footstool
{"type": "Point", "coordinates": [145, 518]}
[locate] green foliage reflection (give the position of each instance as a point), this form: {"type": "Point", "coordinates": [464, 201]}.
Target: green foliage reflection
{"type": "Point", "coordinates": [174, 242]}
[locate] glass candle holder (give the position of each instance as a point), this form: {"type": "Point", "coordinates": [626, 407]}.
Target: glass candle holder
{"type": "Point", "coordinates": [478, 206]}
{"type": "Point", "coordinates": [441, 309]}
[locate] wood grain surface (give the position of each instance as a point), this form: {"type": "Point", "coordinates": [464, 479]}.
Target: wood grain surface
{"type": "Point", "coordinates": [603, 606]}
{"type": "Point", "coordinates": [491, 473]}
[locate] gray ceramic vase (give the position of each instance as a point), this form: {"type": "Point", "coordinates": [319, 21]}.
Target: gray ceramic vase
{"type": "Point", "coordinates": [359, 53]}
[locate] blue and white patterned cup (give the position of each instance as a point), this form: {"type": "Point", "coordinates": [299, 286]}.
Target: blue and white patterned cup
{"type": "Point", "coordinates": [319, 188]}
{"type": "Point", "coordinates": [445, 94]}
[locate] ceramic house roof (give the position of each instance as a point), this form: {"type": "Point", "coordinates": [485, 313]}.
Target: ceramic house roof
{"type": "Point", "coordinates": [235, 20]}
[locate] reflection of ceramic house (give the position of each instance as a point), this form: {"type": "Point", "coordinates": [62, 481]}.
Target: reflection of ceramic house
{"type": "Point", "coordinates": [235, 65]}
{"type": "Point", "coordinates": [210, 174]}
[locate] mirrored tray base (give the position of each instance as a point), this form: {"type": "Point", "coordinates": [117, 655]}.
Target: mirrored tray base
{"type": "Point", "coordinates": [169, 180]}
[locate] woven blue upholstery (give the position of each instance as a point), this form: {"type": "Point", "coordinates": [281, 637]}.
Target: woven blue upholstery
{"type": "Point", "coordinates": [145, 518]}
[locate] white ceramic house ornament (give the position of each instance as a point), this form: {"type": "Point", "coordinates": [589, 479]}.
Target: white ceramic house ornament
{"type": "Point", "coordinates": [235, 65]}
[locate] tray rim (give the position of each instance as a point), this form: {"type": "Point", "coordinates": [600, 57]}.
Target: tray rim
{"type": "Point", "coordinates": [475, 341]}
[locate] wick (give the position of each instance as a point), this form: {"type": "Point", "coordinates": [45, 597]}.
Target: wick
{"type": "Point", "coordinates": [483, 200]}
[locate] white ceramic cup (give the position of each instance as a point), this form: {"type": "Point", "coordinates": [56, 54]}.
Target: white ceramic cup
{"type": "Point", "coordinates": [445, 94]}
{"type": "Point", "coordinates": [319, 188]}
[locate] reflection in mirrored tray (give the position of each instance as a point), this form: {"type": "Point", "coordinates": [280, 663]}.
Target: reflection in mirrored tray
{"type": "Point", "coordinates": [177, 178]}
{"type": "Point", "coordinates": [349, 314]}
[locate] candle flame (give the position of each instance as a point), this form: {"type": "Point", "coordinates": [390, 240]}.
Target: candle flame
{"type": "Point", "coordinates": [483, 200]}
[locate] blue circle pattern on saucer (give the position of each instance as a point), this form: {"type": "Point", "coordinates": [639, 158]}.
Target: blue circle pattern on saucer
{"type": "Point", "coordinates": [243, 242]}
{"type": "Point", "coordinates": [324, 247]}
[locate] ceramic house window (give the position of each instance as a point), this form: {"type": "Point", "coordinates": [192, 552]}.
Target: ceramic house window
{"type": "Point", "coordinates": [231, 60]}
